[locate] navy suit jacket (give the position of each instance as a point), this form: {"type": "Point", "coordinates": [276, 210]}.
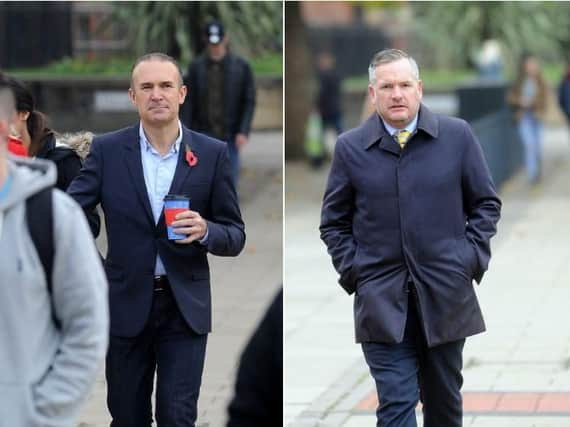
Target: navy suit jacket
{"type": "Point", "coordinates": [426, 212]}
{"type": "Point", "coordinates": [112, 175]}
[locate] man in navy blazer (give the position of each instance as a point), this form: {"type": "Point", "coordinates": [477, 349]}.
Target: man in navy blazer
{"type": "Point", "coordinates": [159, 289]}
{"type": "Point", "coordinates": [408, 214]}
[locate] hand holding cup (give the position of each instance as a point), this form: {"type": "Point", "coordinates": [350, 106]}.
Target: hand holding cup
{"type": "Point", "coordinates": [191, 224]}
{"type": "Point", "coordinates": [183, 225]}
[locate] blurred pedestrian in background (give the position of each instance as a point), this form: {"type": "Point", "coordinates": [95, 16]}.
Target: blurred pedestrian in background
{"type": "Point", "coordinates": [54, 306]}
{"type": "Point", "coordinates": [564, 92]}
{"type": "Point", "coordinates": [328, 112]}
{"type": "Point", "coordinates": [490, 61]}
{"type": "Point", "coordinates": [528, 97]}
{"type": "Point", "coordinates": [329, 98]}
{"type": "Point", "coordinates": [32, 131]}
{"type": "Point", "coordinates": [221, 94]}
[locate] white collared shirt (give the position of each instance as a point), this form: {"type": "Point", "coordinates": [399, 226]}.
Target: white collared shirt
{"type": "Point", "coordinates": [158, 175]}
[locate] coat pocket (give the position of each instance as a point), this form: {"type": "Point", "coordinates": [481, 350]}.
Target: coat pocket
{"type": "Point", "coordinates": [467, 256]}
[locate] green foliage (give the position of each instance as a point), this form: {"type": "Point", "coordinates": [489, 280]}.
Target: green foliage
{"type": "Point", "coordinates": [454, 31]}
{"type": "Point", "coordinates": [254, 27]}
{"type": "Point", "coordinates": [441, 79]}
{"type": "Point", "coordinates": [270, 64]}
{"type": "Point", "coordinates": [433, 79]}
{"type": "Point", "coordinates": [69, 67]}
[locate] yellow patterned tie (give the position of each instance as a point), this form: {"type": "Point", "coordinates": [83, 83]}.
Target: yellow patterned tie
{"type": "Point", "coordinates": [402, 137]}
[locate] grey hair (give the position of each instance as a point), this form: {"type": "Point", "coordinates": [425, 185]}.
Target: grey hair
{"type": "Point", "coordinates": [157, 56]}
{"type": "Point", "coordinates": [387, 56]}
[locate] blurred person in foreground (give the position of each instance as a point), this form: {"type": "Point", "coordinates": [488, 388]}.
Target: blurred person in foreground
{"type": "Point", "coordinates": [258, 396]}
{"type": "Point", "coordinates": [54, 312]}
{"type": "Point", "coordinates": [408, 213]}
{"type": "Point", "coordinates": [564, 92]}
{"type": "Point", "coordinates": [221, 99]}
{"type": "Point", "coordinates": [38, 140]}
{"type": "Point", "coordinates": [159, 288]}
{"type": "Point", "coordinates": [528, 98]}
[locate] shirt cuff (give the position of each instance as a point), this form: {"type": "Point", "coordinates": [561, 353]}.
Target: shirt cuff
{"type": "Point", "coordinates": [204, 240]}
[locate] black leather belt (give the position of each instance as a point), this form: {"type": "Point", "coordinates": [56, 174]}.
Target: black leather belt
{"type": "Point", "coordinates": [161, 283]}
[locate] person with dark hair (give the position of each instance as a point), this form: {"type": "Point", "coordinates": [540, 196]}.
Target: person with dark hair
{"type": "Point", "coordinates": [408, 214]}
{"type": "Point", "coordinates": [528, 97]}
{"type": "Point", "coordinates": [221, 100]}
{"type": "Point", "coordinates": [54, 306]}
{"type": "Point", "coordinates": [31, 130]}
{"type": "Point", "coordinates": [159, 283]}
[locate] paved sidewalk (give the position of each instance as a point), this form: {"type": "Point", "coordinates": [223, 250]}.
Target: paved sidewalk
{"type": "Point", "coordinates": [242, 287]}
{"type": "Point", "coordinates": [516, 374]}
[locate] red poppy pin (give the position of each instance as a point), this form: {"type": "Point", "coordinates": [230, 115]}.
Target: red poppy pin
{"type": "Point", "coordinates": [191, 158]}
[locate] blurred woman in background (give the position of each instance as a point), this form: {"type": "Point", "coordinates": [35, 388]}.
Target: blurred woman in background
{"type": "Point", "coordinates": [38, 140]}
{"type": "Point", "coordinates": [528, 96]}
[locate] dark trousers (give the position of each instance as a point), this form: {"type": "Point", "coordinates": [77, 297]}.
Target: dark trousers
{"type": "Point", "coordinates": [334, 121]}
{"type": "Point", "coordinates": [168, 346]}
{"type": "Point", "coordinates": [410, 371]}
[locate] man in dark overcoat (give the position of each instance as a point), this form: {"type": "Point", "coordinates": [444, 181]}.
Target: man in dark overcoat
{"type": "Point", "coordinates": [407, 217]}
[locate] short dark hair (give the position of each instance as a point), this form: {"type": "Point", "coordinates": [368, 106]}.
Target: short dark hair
{"type": "Point", "coordinates": [388, 56]}
{"type": "Point", "coordinates": [157, 56]}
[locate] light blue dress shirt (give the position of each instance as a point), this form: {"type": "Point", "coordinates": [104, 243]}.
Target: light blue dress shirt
{"type": "Point", "coordinates": [158, 174]}
{"type": "Point", "coordinates": [411, 127]}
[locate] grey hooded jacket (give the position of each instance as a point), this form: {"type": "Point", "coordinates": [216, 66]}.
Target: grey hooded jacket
{"type": "Point", "coordinates": [46, 373]}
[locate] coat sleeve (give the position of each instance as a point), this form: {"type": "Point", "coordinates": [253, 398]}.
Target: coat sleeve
{"type": "Point", "coordinates": [481, 203]}
{"type": "Point", "coordinates": [85, 189]}
{"type": "Point", "coordinates": [67, 169]}
{"type": "Point", "coordinates": [248, 100]}
{"type": "Point", "coordinates": [226, 230]}
{"type": "Point", "coordinates": [81, 304]}
{"type": "Point", "coordinates": [336, 219]}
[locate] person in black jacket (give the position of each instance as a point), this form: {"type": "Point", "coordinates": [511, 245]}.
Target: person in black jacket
{"type": "Point", "coordinates": [221, 97]}
{"type": "Point", "coordinates": [329, 98]}
{"type": "Point", "coordinates": [31, 128]}
{"type": "Point", "coordinates": [258, 397]}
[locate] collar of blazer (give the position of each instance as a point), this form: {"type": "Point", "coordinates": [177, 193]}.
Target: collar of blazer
{"type": "Point", "coordinates": [374, 131]}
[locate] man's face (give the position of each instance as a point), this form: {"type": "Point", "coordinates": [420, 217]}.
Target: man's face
{"type": "Point", "coordinates": [396, 94]}
{"type": "Point", "coordinates": [219, 50]}
{"type": "Point", "coordinates": [157, 92]}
